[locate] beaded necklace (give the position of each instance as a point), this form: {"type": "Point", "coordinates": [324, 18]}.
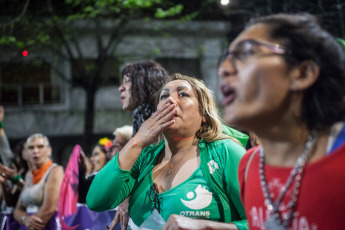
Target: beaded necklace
{"type": "Point", "coordinates": [276, 221]}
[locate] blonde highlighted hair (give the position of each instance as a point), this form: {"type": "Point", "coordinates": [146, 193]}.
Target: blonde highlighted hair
{"type": "Point", "coordinates": [125, 132]}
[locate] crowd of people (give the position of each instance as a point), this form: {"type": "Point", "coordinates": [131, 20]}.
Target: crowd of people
{"type": "Point", "coordinates": [180, 166]}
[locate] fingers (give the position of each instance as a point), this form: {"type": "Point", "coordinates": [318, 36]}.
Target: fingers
{"type": "Point", "coordinates": [3, 175]}
{"type": "Point", "coordinates": [163, 116]}
{"type": "Point", "coordinates": [165, 111]}
{"type": "Point", "coordinates": [36, 223]}
{"type": "Point", "coordinates": [124, 221]}
{"type": "Point", "coordinates": [113, 223]}
{"type": "Point", "coordinates": [123, 214]}
{"type": "Point", "coordinates": [81, 152]}
{"type": "Point", "coordinates": [155, 125]}
{"type": "Point", "coordinates": [174, 222]}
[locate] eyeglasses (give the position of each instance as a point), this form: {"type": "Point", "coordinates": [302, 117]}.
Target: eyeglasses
{"type": "Point", "coordinates": [154, 197]}
{"type": "Point", "coordinates": [249, 48]}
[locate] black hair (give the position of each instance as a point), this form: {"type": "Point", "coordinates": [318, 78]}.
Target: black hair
{"type": "Point", "coordinates": [324, 102]}
{"type": "Point", "coordinates": [147, 78]}
{"type": "Point", "coordinates": [18, 160]}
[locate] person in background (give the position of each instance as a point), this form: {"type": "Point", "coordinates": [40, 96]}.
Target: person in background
{"type": "Point", "coordinates": [189, 175]}
{"type": "Point", "coordinates": [5, 149]}
{"type": "Point", "coordinates": [73, 213]}
{"type": "Point", "coordinates": [38, 200]}
{"type": "Point", "coordinates": [140, 82]}
{"type": "Point", "coordinates": [15, 175]}
{"type": "Point", "coordinates": [13, 169]}
{"type": "Point", "coordinates": [89, 168]}
{"type": "Point", "coordinates": [122, 136]}
{"type": "Point", "coordinates": [283, 78]}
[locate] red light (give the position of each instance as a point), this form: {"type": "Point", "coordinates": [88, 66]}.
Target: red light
{"type": "Point", "coordinates": [25, 53]}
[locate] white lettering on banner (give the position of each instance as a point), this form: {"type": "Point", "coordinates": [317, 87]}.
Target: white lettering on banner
{"type": "Point", "coordinates": [258, 216]}
{"type": "Point", "coordinates": [198, 214]}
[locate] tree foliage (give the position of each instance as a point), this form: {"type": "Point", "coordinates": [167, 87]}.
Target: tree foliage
{"type": "Point", "coordinates": [50, 29]}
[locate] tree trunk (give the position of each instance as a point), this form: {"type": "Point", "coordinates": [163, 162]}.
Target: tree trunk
{"type": "Point", "coordinates": [89, 118]}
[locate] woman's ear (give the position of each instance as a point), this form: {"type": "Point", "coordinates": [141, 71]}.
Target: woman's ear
{"type": "Point", "coordinates": [304, 75]}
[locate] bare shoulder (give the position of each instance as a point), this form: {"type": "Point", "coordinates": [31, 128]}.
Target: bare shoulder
{"type": "Point", "coordinates": [58, 169]}
{"type": "Point", "coordinates": [56, 172]}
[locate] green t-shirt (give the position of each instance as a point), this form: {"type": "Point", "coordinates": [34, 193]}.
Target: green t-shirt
{"type": "Point", "coordinates": [192, 198]}
{"type": "Point", "coordinates": [112, 185]}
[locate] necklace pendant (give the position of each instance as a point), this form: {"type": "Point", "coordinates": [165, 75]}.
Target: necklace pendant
{"type": "Point", "coordinates": [272, 223]}
{"type": "Point", "coordinates": [170, 171]}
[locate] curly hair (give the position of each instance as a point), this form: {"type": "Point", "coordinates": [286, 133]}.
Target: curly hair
{"type": "Point", "coordinates": [324, 102]}
{"type": "Point", "coordinates": [147, 78]}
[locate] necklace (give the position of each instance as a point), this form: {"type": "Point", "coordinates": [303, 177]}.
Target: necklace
{"type": "Point", "coordinates": [275, 221]}
{"type": "Point", "coordinates": [170, 170]}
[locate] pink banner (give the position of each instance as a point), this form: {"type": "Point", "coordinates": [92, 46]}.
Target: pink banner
{"type": "Point", "coordinates": [69, 189]}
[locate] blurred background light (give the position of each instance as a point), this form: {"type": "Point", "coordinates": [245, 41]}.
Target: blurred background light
{"type": "Point", "coordinates": [224, 2]}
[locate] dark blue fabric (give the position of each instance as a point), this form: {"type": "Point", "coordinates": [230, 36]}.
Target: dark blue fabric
{"type": "Point", "coordinates": [339, 140]}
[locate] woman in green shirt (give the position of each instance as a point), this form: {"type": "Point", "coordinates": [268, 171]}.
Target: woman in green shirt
{"type": "Point", "coordinates": [189, 176]}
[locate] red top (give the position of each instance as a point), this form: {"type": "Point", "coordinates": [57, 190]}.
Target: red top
{"type": "Point", "coordinates": [321, 200]}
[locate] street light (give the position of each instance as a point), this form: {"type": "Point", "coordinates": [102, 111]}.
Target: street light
{"type": "Point", "coordinates": [224, 2]}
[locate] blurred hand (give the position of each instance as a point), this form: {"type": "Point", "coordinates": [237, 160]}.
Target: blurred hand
{"type": "Point", "coordinates": [122, 215]}
{"type": "Point", "coordinates": [33, 223]}
{"type": "Point", "coordinates": [84, 162]}
{"type": "Point", "coordinates": [185, 223]}
{"type": "Point", "coordinates": [7, 173]}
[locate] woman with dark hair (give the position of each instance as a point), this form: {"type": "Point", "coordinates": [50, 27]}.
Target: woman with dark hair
{"type": "Point", "coordinates": [284, 79]}
{"type": "Point", "coordinates": [140, 82]}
